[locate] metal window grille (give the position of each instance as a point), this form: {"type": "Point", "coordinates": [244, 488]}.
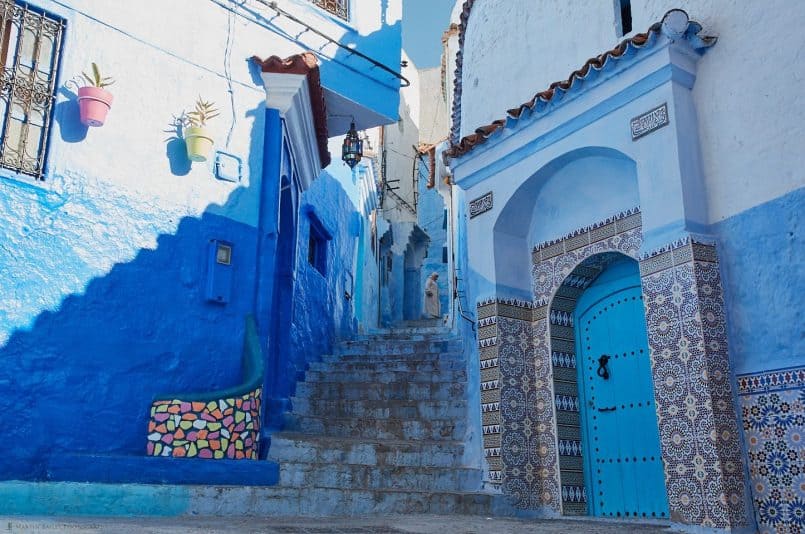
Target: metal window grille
{"type": "Point", "coordinates": [30, 42]}
{"type": "Point", "coordinates": [339, 8]}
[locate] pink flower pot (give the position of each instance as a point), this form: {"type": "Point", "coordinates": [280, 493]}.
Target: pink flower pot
{"type": "Point", "coordinates": [94, 103]}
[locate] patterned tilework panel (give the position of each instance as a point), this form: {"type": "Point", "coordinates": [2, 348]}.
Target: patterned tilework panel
{"type": "Point", "coordinates": [695, 411]}
{"type": "Point", "coordinates": [566, 403]}
{"type": "Point", "coordinates": [224, 428]}
{"type": "Point", "coordinates": [532, 408]}
{"type": "Point", "coordinates": [773, 406]}
{"type": "Point", "coordinates": [554, 263]}
{"type": "Point", "coordinates": [565, 379]}
{"type": "Point", "coordinates": [490, 391]}
{"type": "Point", "coordinates": [528, 431]}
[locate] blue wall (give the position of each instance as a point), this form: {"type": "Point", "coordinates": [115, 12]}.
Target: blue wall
{"type": "Point", "coordinates": [431, 218]}
{"type": "Point", "coordinates": [321, 311]}
{"type": "Point", "coordinates": [104, 263]}
{"type": "Point", "coordinates": [762, 258]}
{"type": "Point", "coordinates": [81, 378]}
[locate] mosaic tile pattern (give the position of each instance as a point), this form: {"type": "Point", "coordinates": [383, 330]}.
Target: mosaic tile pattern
{"type": "Point", "coordinates": [225, 428]}
{"type": "Point", "coordinates": [566, 397]}
{"type": "Point", "coordinates": [565, 381]}
{"type": "Point", "coordinates": [490, 397]}
{"type": "Point", "coordinates": [773, 409]}
{"type": "Point", "coordinates": [695, 411]}
{"type": "Point", "coordinates": [687, 338]}
{"type": "Point", "coordinates": [529, 445]}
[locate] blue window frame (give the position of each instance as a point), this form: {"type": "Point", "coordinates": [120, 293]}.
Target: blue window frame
{"type": "Point", "coordinates": [318, 243]}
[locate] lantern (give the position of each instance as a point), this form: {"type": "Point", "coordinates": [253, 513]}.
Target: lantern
{"type": "Point", "coordinates": [352, 149]}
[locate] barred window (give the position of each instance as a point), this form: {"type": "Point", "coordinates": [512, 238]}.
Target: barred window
{"type": "Point", "coordinates": [30, 41]}
{"type": "Point", "coordinates": [339, 8]}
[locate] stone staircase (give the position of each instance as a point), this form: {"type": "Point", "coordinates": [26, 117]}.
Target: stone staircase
{"type": "Point", "coordinates": [378, 428]}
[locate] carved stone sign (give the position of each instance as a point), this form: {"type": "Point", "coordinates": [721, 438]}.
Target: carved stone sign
{"type": "Point", "coordinates": [646, 123]}
{"type": "Point", "coordinates": [481, 204]}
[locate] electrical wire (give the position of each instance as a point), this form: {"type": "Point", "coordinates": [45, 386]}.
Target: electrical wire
{"type": "Point", "coordinates": [230, 28]}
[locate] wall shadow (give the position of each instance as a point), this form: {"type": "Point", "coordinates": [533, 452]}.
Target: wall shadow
{"type": "Point", "coordinates": [176, 148]}
{"type": "Point", "coordinates": [68, 117]}
{"type": "Point", "coordinates": [82, 377]}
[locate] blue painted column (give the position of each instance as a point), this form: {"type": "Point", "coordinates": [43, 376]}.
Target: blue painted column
{"type": "Point", "coordinates": [266, 253]}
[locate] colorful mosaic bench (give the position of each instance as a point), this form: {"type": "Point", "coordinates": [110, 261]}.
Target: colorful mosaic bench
{"type": "Point", "coordinates": [217, 425]}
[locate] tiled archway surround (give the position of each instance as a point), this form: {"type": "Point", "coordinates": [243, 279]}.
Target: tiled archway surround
{"type": "Point", "coordinates": [704, 470]}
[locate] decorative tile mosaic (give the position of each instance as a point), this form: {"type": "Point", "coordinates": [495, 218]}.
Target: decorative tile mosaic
{"type": "Point", "coordinates": [218, 429]}
{"type": "Point", "coordinates": [773, 409]}
{"type": "Point", "coordinates": [540, 461]}
{"type": "Point", "coordinates": [490, 397]}
{"type": "Point", "coordinates": [695, 409]}
{"type": "Point", "coordinates": [565, 376]}
{"type": "Point", "coordinates": [529, 418]}
{"type": "Point", "coordinates": [529, 446]}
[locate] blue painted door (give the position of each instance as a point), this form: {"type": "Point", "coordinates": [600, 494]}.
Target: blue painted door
{"type": "Point", "coordinates": [621, 442]}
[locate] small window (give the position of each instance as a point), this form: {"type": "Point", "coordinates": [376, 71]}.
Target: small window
{"type": "Point", "coordinates": [444, 254]}
{"type": "Point", "coordinates": [223, 254]}
{"type": "Point", "coordinates": [623, 16]}
{"type": "Point", "coordinates": [317, 245]}
{"type": "Point", "coordinates": [339, 8]}
{"type": "Point", "coordinates": [385, 274]}
{"type": "Point", "coordinates": [30, 41]}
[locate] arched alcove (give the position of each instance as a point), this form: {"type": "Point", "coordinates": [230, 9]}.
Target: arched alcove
{"type": "Point", "coordinates": [575, 190]}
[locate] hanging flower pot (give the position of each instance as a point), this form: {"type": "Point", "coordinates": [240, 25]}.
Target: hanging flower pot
{"type": "Point", "coordinates": [199, 143]}
{"type": "Point", "coordinates": [94, 102]}
{"type": "Point", "coordinates": [198, 140]}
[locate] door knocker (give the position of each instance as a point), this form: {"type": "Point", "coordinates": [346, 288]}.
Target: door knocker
{"type": "Point", "coordinates": [603, 372]}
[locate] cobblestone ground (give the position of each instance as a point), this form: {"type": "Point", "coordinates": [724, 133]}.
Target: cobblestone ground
{"type": "Point", "coordinates": [409, 524]}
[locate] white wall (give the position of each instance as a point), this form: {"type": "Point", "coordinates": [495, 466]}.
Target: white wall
{"type": "Point", "coordinates": [433, 116]}
{"type": "Point", "coordinates": [749, 96]}
{"type": "Point", "coordinates": [399, 139]}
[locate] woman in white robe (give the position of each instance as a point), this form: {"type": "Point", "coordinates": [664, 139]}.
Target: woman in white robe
{"type": "Point", "coordinates": [432, 305]}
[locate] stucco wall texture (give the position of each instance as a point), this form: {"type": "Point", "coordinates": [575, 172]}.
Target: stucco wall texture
{"type": "Point", "coordinates": [104, 262]}
{"type": "Point", "coordinates": [750, 109]}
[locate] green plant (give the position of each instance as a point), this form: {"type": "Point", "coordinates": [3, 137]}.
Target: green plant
{"type": "Point", "coordinates": [96, 80]}
{"type": "Point", "coordinates": [204, 111]}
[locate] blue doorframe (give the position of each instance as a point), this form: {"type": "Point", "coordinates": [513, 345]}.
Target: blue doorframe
{"type": "Point", "coordinates": [624, 470]}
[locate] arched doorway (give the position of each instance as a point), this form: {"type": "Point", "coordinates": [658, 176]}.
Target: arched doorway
{"type": "Point", "coordinates": [622, 460]}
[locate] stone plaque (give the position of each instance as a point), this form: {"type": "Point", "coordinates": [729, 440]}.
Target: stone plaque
{"type": "Point", "coordinates": [481, 205]}
{"type": "Point", "coordinates": [646, 123]}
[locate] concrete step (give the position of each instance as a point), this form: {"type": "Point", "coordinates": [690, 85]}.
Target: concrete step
{"type": "Point", "coordinates": [335, 374]}
{"type": "Point", "coordinates": [305, 448]}
{"type": "Point", "coordinates": [375, 358]}
{"type": "Point", "coordinates": [377, 429]}
{"type": "Point", "coordinates": [393, 391]}
{"type": "Point", "coordinates": [380, 477]}
{"type": "Point", "coordinates": [423, 322]}
{"type": "Point", "coordinates": [406, 334]}
{"type": "Point", "coordinates": [404, 331]}
{"type": "Point", "coordinates": [381, 409]}
{"type": "Point", "coordinates": [335, 363]}
{"type": "Point", "coordinates": [392, 346]}
{"type": "Point", "coordinates": [323, 501]}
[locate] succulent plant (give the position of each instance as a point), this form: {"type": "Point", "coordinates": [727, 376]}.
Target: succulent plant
{"type": "Point", "coordinates": [204, 111]}
{"type": "Point", "coordinates": [96, 80]}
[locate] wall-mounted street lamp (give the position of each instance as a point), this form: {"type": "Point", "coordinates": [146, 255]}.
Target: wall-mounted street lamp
{"type": "Point", "coordinates": [352, 149]}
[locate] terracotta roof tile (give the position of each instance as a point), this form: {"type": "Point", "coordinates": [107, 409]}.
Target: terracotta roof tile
{"type": "Point", "coordinates": [306, 64]}
{"type": "Point", "coordinates": [464, 145]}
{"type": "Point", "coordinates": [462, 30]}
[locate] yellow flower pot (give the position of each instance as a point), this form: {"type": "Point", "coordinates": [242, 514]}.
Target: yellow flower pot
{"type": "Point", "coordinates": [199, 143]}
